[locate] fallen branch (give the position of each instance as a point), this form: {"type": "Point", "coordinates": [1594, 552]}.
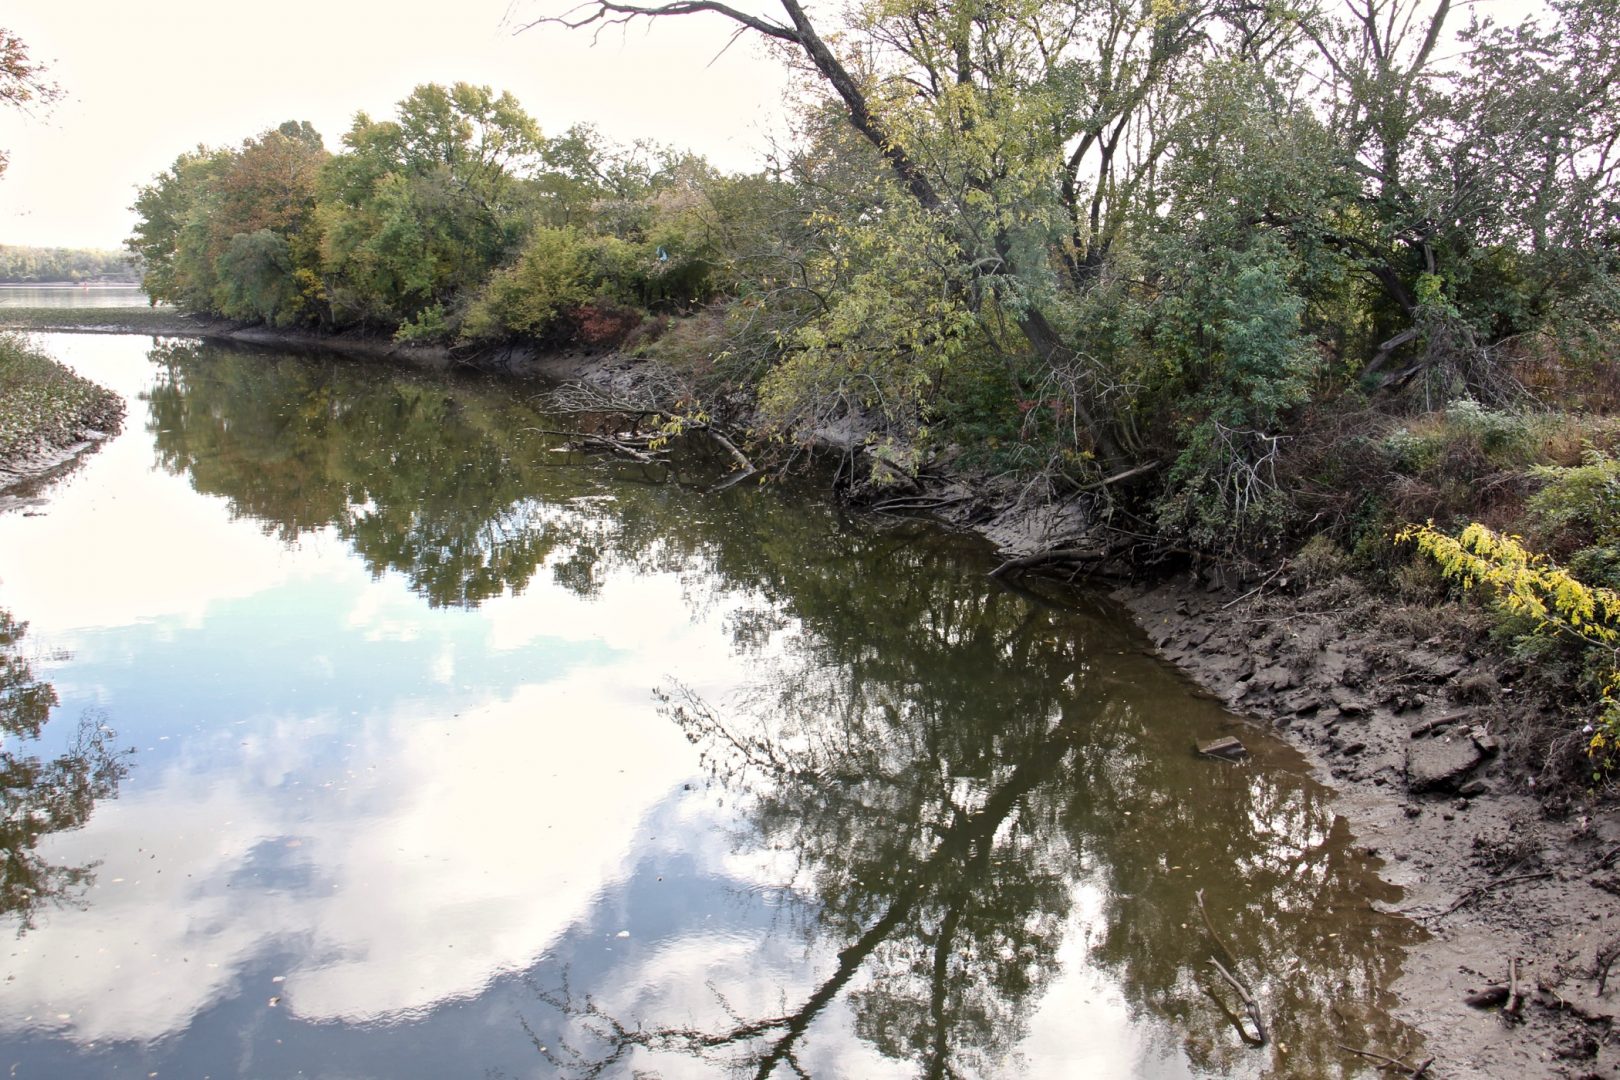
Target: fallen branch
{"type": "Point", "coordinates": [1055, 555]}
{"type": "Point", "coordinates": [1252, 1007]}
{"type": "Point", "coordinates": [1387, 1062]}
{"type": "Point", "coordinates": [1480, 890]}
{"type": "Point", "coordinates": [921, 502]}
{"type": "Point", "coordinates": [1515, 996]}
{"type": "Point", "coordinates": [1118, 477]}
{"type": "Point", "coordinates": [1257, 588]}
{"type": "Point", "coordinates": [1602, 962]}
{"type": "Point", "coordinates": [737, 455]}
{"type": "Point", "coordinates": [1249, 1003]}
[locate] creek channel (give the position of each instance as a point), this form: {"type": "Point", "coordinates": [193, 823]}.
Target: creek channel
{"type": "Point", "coordinates": [355, 727]}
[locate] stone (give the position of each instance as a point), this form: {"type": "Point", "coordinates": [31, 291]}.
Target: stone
{"type": "Point", "coordinates": [1484, 740]}
{"type": "Point", "coordinates": [1228, 748]}
{"type": "Point", "coordinates": [1275, 677]}
{"type": "Point", "coordinates": [1440, 764]}
{"type": "Point", "coordinates": [1474, 787]}
{"type": "Point", "coordinates": [1348, 702]}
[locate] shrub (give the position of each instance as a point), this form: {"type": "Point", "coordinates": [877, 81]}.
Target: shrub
{"type": "Point", "coordinates": [1550, 607]}
{"type": "Point", "coordinates": [549, 277]}
{"type": "Point", "coordinates": [604, 323]}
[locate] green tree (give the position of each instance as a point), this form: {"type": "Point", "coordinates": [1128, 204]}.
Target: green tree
{"type": "Point", "coordinates": [170, 231]}
{"type": "Point", "coordinates": [232, 232]}
{"type": "Point", "coordinates": [421, 208]}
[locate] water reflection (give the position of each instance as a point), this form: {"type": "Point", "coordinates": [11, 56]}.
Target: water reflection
{"type": "Point", "coordinates": [456, 485]}
{"type": "Point", "coordinates": [43, 795]}
{"type": "Point", "coordinates": [947, 784]}
{"type": "Point", "coordinates": [73, 296]}
{"type": "Point", "coordinates": [405, 784]}
{"type": "Point", "coordinates": [415, 479]}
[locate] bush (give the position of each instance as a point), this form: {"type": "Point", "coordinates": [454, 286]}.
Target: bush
{"type": "Point", "coordinates": [551, 276]}
{"type": "Point", "coordinates": [605, 324]}
{"type": "Point", "coordinates": [1578, 514]}
{"type": "Point", "coordinates": [430, 324]}
{"type": "Point", "coordinates": [1544, 610]}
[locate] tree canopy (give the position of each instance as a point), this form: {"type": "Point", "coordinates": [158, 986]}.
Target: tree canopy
{"type": "Point", "coordinates": [1114, 247]}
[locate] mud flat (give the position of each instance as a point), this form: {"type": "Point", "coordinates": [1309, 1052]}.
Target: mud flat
{"type": "Point", "coordinates": [1516, 879]}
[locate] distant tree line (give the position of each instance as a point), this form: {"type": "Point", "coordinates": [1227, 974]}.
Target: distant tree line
{"type": "Point", "coordinates": [454, 220]}
{"type": "Point", "coordinates": [24, 265]}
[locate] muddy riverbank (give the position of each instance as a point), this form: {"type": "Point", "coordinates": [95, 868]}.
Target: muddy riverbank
{"type": "Point", "coordinates": [1417, 731]}
{"type": "Point", "coordinates": [49, 416]}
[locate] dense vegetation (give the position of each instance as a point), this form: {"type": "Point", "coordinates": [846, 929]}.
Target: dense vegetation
{"type": "Point", "coordinates": [1241, 275]}
{"type": "Point", "coordinates": [23, 265]}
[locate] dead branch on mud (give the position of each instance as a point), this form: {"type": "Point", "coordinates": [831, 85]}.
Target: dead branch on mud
{"type": "Point", "coordinates": [1385, 1061]}
{"type": "Point", "coordinates": [1480, 890]}
{"type": "Point", "coordinates": [1516, 991]}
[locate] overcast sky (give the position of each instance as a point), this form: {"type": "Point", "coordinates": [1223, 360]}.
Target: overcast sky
{"type": "Point", "coordinates": [145, 81]}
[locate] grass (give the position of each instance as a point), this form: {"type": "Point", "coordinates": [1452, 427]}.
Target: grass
{"type": "Point", "coordinates": [44, 406]}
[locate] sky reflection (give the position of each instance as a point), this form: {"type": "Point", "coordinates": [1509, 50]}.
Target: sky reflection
{"type": "Point", "coordinates": [402, 800]}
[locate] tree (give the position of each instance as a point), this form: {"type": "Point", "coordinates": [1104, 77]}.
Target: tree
{"type": "Point", "coordinates": [422, 207]}
{"type": "Point", "coordinates": [1013, 127]}
{"type": "Point", "coordinates": [172, 226]}
{"type": "Point", "coordinates": [22, 79]}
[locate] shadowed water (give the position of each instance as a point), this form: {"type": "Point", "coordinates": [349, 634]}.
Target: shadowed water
{"type": "Point", "coordinates": [442, 751]}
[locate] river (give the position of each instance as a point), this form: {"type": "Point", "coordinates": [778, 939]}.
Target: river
{"type": "Point", "coordinates": [65, 295]}
{"type": "Point", "coordinates": [354, 727]}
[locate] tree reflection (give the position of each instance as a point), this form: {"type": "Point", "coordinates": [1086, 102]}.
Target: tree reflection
{"type": "Point", "coordinates": [418, 479]}
{"type": "Point", "coordinates": [957, 776]}
{"type": "Point", "coordinates": [39, 796]}
{"type": "Point", "coordinates": [963, 777]}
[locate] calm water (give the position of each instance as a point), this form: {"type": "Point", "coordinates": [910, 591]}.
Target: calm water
{"type": "Point", "coordinates": [357, 731]}
{"type": "Point", "coordinates": [72, 296]}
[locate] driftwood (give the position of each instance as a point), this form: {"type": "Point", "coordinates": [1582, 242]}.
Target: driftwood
{"type": "Point", "coordinates": [1516, 991]}
{"type": "Point", "coordinates": [1480, 890]}
{"type": "Point", "coordinates": [638, 447]}
{"type": "Point", "coordinates": [1261, 1036]}
{"type": "Point", "coordinates": [917, 502]}
{"type": "Point", "coordinates": [1430, 727]}
{"type": "Point", "coordinates": [737, 455]}
{"type": "Point", "coordinates": [635, 447]}
{"type": "Point", "coordinates": [1024, 562]}
{"type": "Point", "coordinates": [1229, 748]}
{"type": "Point", "coordinates": [1387, 1062]}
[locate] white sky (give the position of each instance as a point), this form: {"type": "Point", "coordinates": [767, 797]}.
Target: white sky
{"type": "Point", "coordinates": [146, 81]}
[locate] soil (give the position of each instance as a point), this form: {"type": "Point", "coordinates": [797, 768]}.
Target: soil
{"type": "Point", "coordinates": [1418, 735]}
